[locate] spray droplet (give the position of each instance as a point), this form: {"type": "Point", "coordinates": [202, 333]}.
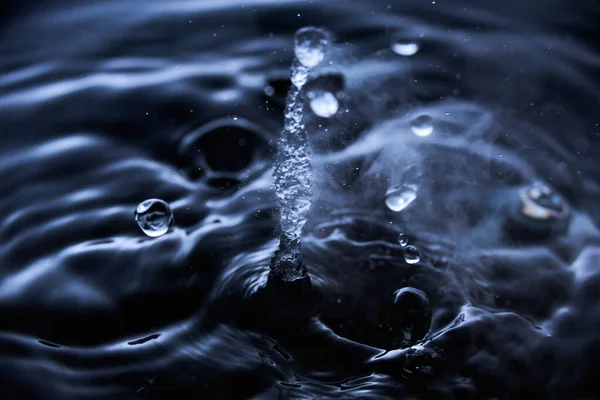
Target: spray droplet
{"type": "Point", "coordinates": [398, 198]}
{"type": "Point", "coordinates": [154, 217]}
{"type": "Point", "coordinates": [404, 47]}
{"type": "Point", "coordinates": [403, 240]}
{"type": "Point", "coordinates": [310, 45]}
{"type": "Point", "coordinates": [422, 125]}
{"type": "Point", "coordinates": [542, 203]}
{"type": "Point", "coordinates": [411, 255]}
{"type": "Point", "coordinates": [322, 93]}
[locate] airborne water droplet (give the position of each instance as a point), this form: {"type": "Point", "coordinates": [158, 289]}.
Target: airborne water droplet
{"type": "Point", "coordinates": [154, 217]}
{"type": "Point", "coordinates": [411, 255]}
{"type": "Point", "coordinates": [422, 125]}
{"type": "Point", "coordinates": [541, 202]}
{"type": "Point", "coordinates": [323, 104]}
{"type": "Point", "coordinates": [403, 240]}
{"type": "Point", "coordinates": [322, 93]}
{"type": "Point", "coordinates": [310, 45]}
{"type": "Point", "coordinates": [398, 198]}
{"type": "Point", "coordinates": [545, 197]}
{"type": "Point", "coordinates": [404, 47]}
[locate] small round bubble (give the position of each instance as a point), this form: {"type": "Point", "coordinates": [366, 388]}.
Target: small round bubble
{"type": "Point", "coordinates": [411, 255]}
{"type": "Point", "coordinates": [154, 217]}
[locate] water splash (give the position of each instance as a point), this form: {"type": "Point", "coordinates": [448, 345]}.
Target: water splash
{"type": "Point", "coordinates": [292, 169]}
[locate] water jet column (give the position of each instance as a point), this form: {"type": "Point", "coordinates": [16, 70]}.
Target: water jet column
{"type": "Point", "coordinates": [292, 169]}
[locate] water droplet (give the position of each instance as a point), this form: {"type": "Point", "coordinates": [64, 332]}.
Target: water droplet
{"type": "Point", "coordinates": [403, 240]}
{"type": "Point", "coordinates": [322, 93]}
{"type": "Point", "coordinates": [404, 47]}
{"type": "Point", "coordinates": [154, 217]}
{"type": "Point", "coordinates": [411, 255]}
{"type": "Point", "coordinates": [310, 45]}
{"type": "Point", "coordinates": [542, 203]}
{"type": "Point", "coordinates": [398, 198]}
{"type": "Point", "coordinates": [323, 104]}
{"type": "Point", "coordinates": [422, 125]}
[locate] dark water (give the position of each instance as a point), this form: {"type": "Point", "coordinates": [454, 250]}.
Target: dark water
{"type": "Point", "coordinates": [104, 105]}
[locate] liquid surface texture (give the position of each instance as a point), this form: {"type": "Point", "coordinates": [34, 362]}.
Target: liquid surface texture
{"type": "Point", "coordinates": [485, 112]}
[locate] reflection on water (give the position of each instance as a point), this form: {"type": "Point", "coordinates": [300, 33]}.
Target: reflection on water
{"type": "Point", "coordinates": [482, 286]}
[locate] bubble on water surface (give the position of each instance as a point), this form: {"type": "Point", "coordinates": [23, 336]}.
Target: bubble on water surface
{"type": "Point", "coordinates": [402, 239]}
{"type": "Point", "coordinates": [411, 255]}
{"type": "Point", "coordinates": [398, 198]}
{"type": "Point", "coordinates": [310, 45]}
{"type": "Point", "coordinates": [404, 47]}
{"type": "Point", "coordinates": [154, 217]}
{"type": "Point", "coordinates": [422, 125]}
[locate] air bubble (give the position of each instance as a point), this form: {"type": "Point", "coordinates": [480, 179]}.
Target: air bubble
{"type": "Point", "coordinates": [422, 125]}
{"type": "Point", "coordinates": [411, 255]}
{"type": "Point", "coordinates": [154, 217]}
